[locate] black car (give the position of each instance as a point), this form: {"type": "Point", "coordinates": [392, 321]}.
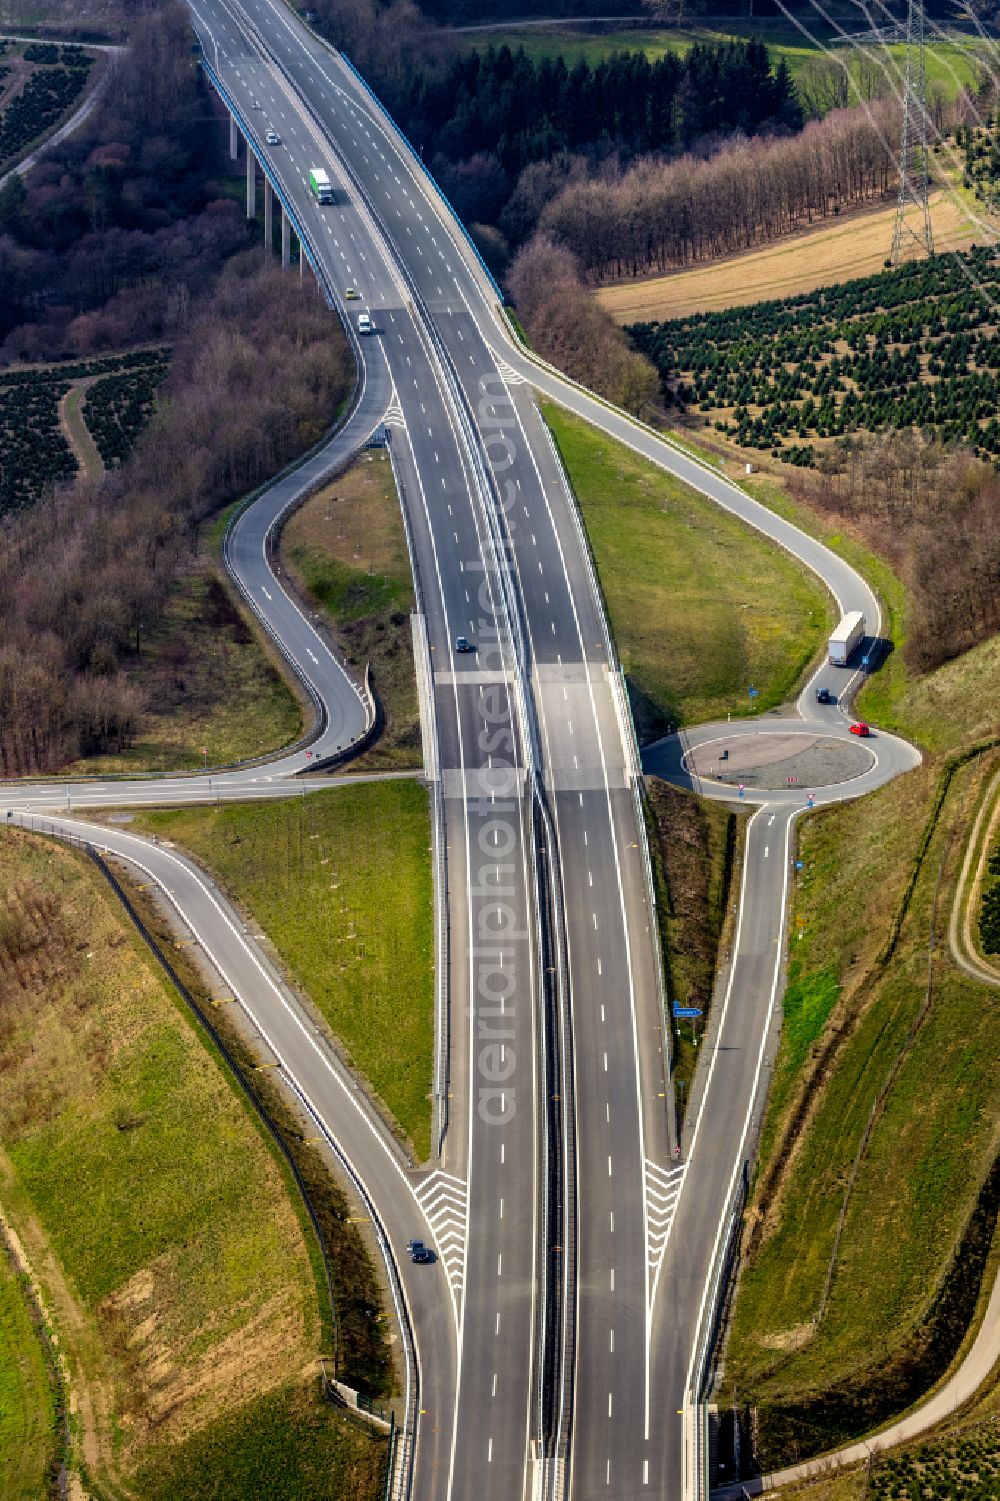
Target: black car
{"type": "Point", "coordinates": [419, 1252]}
{"type": "Point", "coordinates": [824, 696]}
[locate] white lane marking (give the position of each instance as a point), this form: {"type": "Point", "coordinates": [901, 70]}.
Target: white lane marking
{"type": "Point", "coordinates": [313, 655]}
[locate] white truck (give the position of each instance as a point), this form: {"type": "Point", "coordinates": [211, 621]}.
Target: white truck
{"type": "Point", "coordinates": [849, 633]}
{"type": "Point", "coordinates": [320, 184]}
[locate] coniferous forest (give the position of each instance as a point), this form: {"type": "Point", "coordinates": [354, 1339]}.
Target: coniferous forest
{"type": "Point", "coordinates": [523, 110]}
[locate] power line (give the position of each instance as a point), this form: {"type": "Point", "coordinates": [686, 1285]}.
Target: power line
{"type": "Point", "coordinates": [912, 229]}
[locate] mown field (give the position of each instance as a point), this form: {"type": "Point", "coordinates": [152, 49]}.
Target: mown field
{"type": "Point", "coordinates": [951, 57]}
{"type": "Point", "coordinates": [702, 608]}
{"type": "Point", "coordinates": [855, 246]}
{"type": "Point", "coordinates": [346, 550]}
{"type": "Point", "coordinates": [156, 1216]}
{"type": "Point", "coordinates": [871, 1220]}
{"type": "Point", "coordinates": [340, 881]}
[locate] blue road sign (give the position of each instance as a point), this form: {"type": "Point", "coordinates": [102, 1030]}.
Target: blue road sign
{"type": "Point", "coordinates": [755, 693]}
{"type": "Point", "coordinates": [685, 1011]}
{"type": "Point", "coordinates": [798, 864]}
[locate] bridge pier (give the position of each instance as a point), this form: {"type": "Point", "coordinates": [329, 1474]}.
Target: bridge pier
{"type": "Point", "coordinates": [234, 139]}
{"type": "Point", "coordinates": [251, 184]}
{"type": "Point", "coordinates": [286, 239]}
{"type": "Point", "coordinates": [268, 218]}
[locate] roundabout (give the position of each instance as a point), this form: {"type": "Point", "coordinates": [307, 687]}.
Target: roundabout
{"type": "Point", "coordinates": [773, 762]}
{"type": "Point", "coordinates": [789, 762]}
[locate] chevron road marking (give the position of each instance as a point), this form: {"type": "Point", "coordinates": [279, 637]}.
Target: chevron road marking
{"type": "Point", "coordinates": [663, 1186]}
{"type": "Point", "coordinates": [445, 1202]}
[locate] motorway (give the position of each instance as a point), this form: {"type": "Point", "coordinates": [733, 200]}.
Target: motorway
{"type": "Point", "coordinates": [555, 1340]}
{"type": "Point", "coordinates": [540, 710]}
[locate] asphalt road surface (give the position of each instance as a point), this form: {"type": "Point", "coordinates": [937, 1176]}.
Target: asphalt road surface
{"type": "Point", "coordinates": [535, 779]}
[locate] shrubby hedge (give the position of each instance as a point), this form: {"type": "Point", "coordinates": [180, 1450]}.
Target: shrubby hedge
{"type": "Point", "coordinates": [46, 96]}
{"type": "Point", "coordinates": [118, 407]}
{"type": "Point", "coordinates": [989, 910]}
{"type": "Point", "coordinates": [35, 453]}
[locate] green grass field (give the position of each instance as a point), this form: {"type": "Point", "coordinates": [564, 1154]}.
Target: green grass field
{"type": "Point", "coordinates": [929, 1066]}
{"type": "Point", "coordinates": [340, 881]}
{"type": "Point", "coordinates": [27, 1416]}
{"type": "Point", "coordinates": [950, 64]}
{"type": "Point", "coordinates": [149, 1201]}
{"type": "Point", "coordinates": [282, 1447]}
{"type": "Point", "coordinates": [701, 607]}
{"type": "Point", "coordinates": [695, 847]}
{"type": "Point", "coordinates": [346, 550]}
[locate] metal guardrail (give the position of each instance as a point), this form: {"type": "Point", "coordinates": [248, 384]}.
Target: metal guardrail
{"type": "Point", "coordinates": [696, 1476]}
{"type": "Point", "coordinates": [501, 549]}
{"type": "Point", "coordinates": [630, 744]}
{"type": "Point", "coordinates": [442, 932]}
{"type": "Point", "coordinates": [305, 244]}
{"type": "Point", "coordinates": [424, 170]}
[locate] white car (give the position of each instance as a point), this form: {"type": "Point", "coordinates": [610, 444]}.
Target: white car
{"type": "Point", "coordinates": [272, 138]}
{"type": "Point", "coordinates": [365, 324]}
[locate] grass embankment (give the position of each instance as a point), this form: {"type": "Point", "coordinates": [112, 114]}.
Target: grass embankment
{"type": "Point", "coordinates": [959, 1460]}
{"type": "Point", "coordinates": [695, 846]}
{"type": "Point", "coordinates": [346, 549]}
{"type": "Point", "coordinates": [340, 881]}
{"type": "Point", "coordinates": [869, 1224]}
{"type": "Point", "coordinates": [208, 682]}
{"type": "Point", "coordinates": [835, 251]}
{"type": "Point", "coordinates": [702, 608]}
{"type": "Point", "coordinates": [155, 1214]}
{"type": "Point", "coordinates": [27, 1412]}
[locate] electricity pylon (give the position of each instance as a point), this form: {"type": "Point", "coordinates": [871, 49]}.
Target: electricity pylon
{"type": "Point", "coordinates": [913, 232]}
